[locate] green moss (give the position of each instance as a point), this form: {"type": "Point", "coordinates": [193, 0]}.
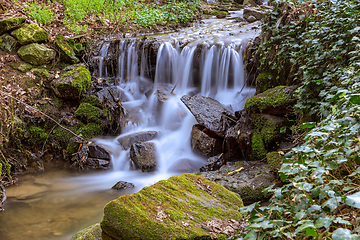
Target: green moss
{"type": "Point", "coordinates": [40, 72]}
{"type": "Point", "coordinates": [274, 159]}
{"type": "Point", "coordinates": [82, 79]}
{"type": "Point", "coordinates": [161, 210]}
{"type": "Point", "coordinates": [217, 13]}
{"type": "Point", "coordinates": [90, 130]}
{"type": "Point", "coordinates": [272, 98]}
{"type": "Point", "coordinates": [37, 134]}
{"type": "Point", "coordinates": [265, 81]}
{"type": "Point", "coordinates": [10, 23]}
{"type": "Point", "coordinates": [258, 146]}
{"type": "Point", "coordinates": [63, 45]}
{"type": "Point", "coordinates": [88, 113]}
{"type": "Point", "coordinates": [93, 100]}
{"type": "Point", "coordinates": [91, 233]}
{"type": "Point", "coordinates": [267, 129]}
{"type": "Point", "coordinates": [31, 33]}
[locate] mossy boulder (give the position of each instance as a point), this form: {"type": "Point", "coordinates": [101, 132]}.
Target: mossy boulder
{"type": "Point", "coordinates": [66, 51]}
{"type": "Point", "coordinates": [74, 82]}
{"type": "Point", "coordinates": [91, 233]}
{"type": "Point", "coordinates": [219, 14]}
{"type": "Point", "coordinates": [265, 81]}
{"type": "Point", "coordinates": [31, 33]}
{"type": "Point", "coordinates": [267, 133]}
{"type": "Point", "coordinates": [275, 101]}
{"type": "Point", "coordinates": [182, 207]}
{"type": "Point", "coordinates": [274, 160]}
{"type": "Point", "coordinates": [40, 73]}
{"type": "Point", "coordinates": [93, 100]}
{"type": "Point", "coordinates": [36, 54]}
{"type": "Point", "coordinates": [10, 24]}
{"type": "Point", "coordinates": [8, 43]}
{"type": "Point", "coordinates": [87, 113]}
{"type": "Point", "coordinates": [22, 67]}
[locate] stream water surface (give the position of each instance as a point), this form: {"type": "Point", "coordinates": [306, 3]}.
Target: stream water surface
{"type": "Point", "coordinates": [57, 203]}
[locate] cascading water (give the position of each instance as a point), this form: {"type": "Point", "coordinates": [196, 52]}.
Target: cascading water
{"type": "Point", "coordinates": [204, 60]}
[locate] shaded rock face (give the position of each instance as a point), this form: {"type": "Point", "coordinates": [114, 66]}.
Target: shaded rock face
{"type": "Point", "coordinates": [182, 207]}
{"type": "Point", "coordinates": [10, 24]}
{"type": "Point", "coordinates": [66, 51]}
{"type": "Point", "coordinates": [275, 101]}
{"type": "Point", "coordinates": [127, 141]}
{"type": "Point", "coordinates": [96, 151]}
{"type": "Point", "coordinates": [213, 163]}
{"type": "Point", "coordinates": [74, 81]}
{"type": "Point", "coordinates": [91, 157]}
{"type": "Point", "coordinates": [248, 182]}
{"type": "Point", "coordinates": [122, 185]}
{"type": "Point", "coordinates": [36, 54]}
{"type": "Point", "coordinates": [143, 155]}
{"type": "Point", "coordinates": [8, 43]}
{"type": "Point", "coordinates": [208, 113]}
{"type": "Point", "coordinates": [258, 15]}
{"type": "Point", "coordinates": [205, 142]}
{"type": "Point", "coordinates": [31, 33]}
{"type": "Point", "coordinates": [184, 166]}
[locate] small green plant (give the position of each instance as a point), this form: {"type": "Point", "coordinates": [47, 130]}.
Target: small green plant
{"type": "Point", "coordinates": [41, 13]}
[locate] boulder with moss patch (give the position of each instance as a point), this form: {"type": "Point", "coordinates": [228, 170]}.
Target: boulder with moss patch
{"type": "Point", "coordinates": [265, 81]}
{"type": "Point", "coordinates": [22, 67]}
{"type": "Point", "coordinates": [246, 178]}
{"type": "Point", "coordinates": [75, 81]}
{"type": "Point", "coordinates": [87, 113]}
{"type": "Point", "coordinates": [31, 33]}
{"type": "Point", "coordinates": [182, 207]}
{"type": "Point", "coordinates": [275, 160]}
{"type": "Point", "coordinates": [91, 233]}
{"type": "Point", "coordinates": [10, 24]}
{"type": "Point", "coordinates": [8, 43]}
{"type": "Point", "coordinates": [36, 54]}
{"type": "Point", "coordinates": [66, 51]}
{"type": "Point", "coordinates": [275, 101]}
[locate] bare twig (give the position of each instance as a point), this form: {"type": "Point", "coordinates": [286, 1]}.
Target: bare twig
{"type": "Point", "coordinates": [27, 105]}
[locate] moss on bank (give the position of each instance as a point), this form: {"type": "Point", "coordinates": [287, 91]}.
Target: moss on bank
{"type": "Point", "coordinates": [274, 159]}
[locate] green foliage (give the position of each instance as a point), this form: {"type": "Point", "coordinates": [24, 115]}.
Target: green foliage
{"type": "Point", "coordinates": [320, 198]}
{"type": "Point", "coordinates": [41, 13]}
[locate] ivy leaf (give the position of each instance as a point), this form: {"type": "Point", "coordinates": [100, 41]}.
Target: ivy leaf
{"type": "Point", "coordinates": [308, 125]}
{"type": "Point", "coordinates": [344, 234]}
{"type": "Point", "coordinates": [355, 99]}
{"type": "Point", "coordinates": [324, 222]}
{"type": "Point", "coordinates": [353, 200]}
{"type": "Point", "coordinates": [332, 203]}
{"type": "Point", "coordinates": [309, 228]}
{"type": "Point", "coordinates": [252, 235]}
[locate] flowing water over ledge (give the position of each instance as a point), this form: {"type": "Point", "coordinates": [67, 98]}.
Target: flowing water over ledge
{"type": "Point", "coordinates": [205, 60]}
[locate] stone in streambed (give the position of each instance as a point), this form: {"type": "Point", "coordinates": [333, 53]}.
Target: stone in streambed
{"type": "Point", "coordinates": [213, 163]}
{"type": "Point", "coordinates": [143, 155]}
{"type": "Point", "coordinates": [122, 185]}
{"type": "Point", "coordinates": [209, 113]}
{"type": "Point", "coordinates": [36, 54]}
{"type": "Point", "coordinates": [182, 207]}
{"type": "Point", "coordinates": [128, 140]}
{"type": "Point", "coordinates": [205, 142]}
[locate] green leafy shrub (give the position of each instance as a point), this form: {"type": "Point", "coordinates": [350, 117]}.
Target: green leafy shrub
{"type": "Point", "coordinates": [41, 13]}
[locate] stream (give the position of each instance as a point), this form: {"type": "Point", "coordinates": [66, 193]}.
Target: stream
{"type": "Point", "coordinates": [57, 203]}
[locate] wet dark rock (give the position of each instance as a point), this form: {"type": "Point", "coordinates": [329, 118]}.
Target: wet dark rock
{"type": "Point", "coordinates": [184, 166]}
{"type": "Point", "coordinates": [112, 94]}
{"type": "Point", "coordinates": [96, 151]}
{"type": "Point", "coordinates": [251, 19]}
{"type": "Point", "coordinates": [209, 113]}
{"type": "Point", "coordinates": [122, 185]}
{"type": "Point", "coordinates": [248, 12]}
{"type": "Point", "coordinates": [143, 155]}
{"type": "Point", "coordinates": [251, 3]}
{"type": "Point", "coordinates": [36, 54]}
{"type": "Point", "coordinates": [248, 181]}
{"type": "Point", "coordinates": [213, 163]}
{"type": "Point", "coordinates": [128, 140]}
{"type": "Point", "coordinates": [205, 142]}
{"type": "Point", "coordinates": [8, 43]}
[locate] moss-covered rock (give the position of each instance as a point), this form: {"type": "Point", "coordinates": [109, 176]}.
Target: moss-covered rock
{"type": "Point", "coordinates": [258, 146]}
{"type": "Point", "coordinates": [91, 233]}
{"type": "Point", "coordinates": [219, 14]}
{"type": "Point", "coordinates": [182, 207]}
{"type": "Point", "coordinates": [66, 51]}
{"type": "Point", "coordinates": [10, 24]}
{"type": "Point", "coordinates": [90, 130]}
{"type": "Point", "coordinates": [40, 72]}
{"type": "Point", "coordinates": [8, 43]}
{"type": "Point", "coordinates": [88, 113]}
{"type": "Point", "coordinates": [74, 82]}
{"type": "Point", "coordinates": [36, 54]}
{"type": "Point", "coordinates": [93, 100]}
{"type": "Point", "coordinates": [254, 191]}
{"type": "Point", "coordinates": [31, 33]}
{"type": "Point", "coordinates": [265, 81]}
{"type": "Point", "coordinates": [274, 159]}
{"type": "Point", "coordinates": [275, 101]}
{"type": "Point", "coordinates": [22, 67]}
